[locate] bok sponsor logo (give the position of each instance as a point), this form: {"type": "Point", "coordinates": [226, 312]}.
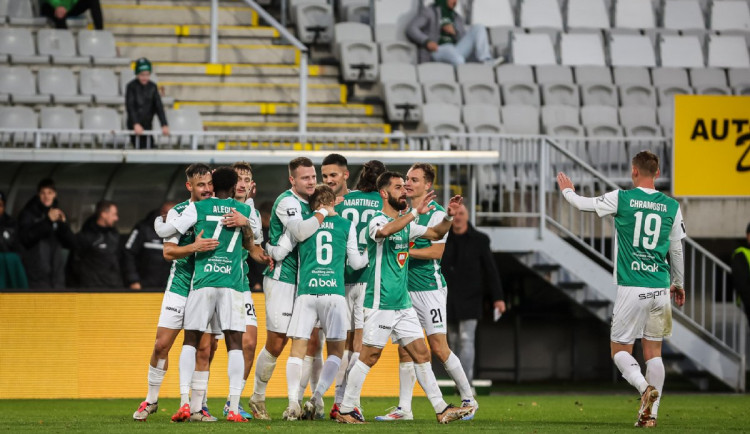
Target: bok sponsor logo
{"type": "Point", "coordinates": [640, 266]}
{"type": "Point", "coordinates": [321, 283]}
{"type": "Point", "coordinates": [214, 268]}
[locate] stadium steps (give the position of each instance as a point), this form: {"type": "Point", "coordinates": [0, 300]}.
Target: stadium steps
{"type": "Point", "coordinates": [122, 31]}
{"type": "Point", "coordinates": [199, 52]}
{"type": "Point", "coordinates": [241, 92]}
{"type": "Point", "coordinates": [179, 14]}
{"type": "Point", "coordinates": [379, 128]}
{"type": "Point", "coordinates": [283, 109]}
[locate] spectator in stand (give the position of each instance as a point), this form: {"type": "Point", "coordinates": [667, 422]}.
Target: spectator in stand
{"type": "Point", "coordinates": [44, 233]}
{"type": "Point", "coordinates": [97, 262]}
{"type": "Point", "coordinates": [12, 274]}
{"type": "Point", "coordinates": [142, 101]}
{"type": "Point", "coordinates": [441, 36]}
{"type": "Point", "coordinates": [143, 260]}
{"type": "Point", "coordinates": [470, 272]}
{"type": "Point", "coordinates": [59, 10]}
{"type": "Point", "coordinates": [741, 272]}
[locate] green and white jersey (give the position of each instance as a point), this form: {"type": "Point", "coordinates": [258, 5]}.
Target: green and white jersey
{"type": "Point", "coordinates": [646, 222]}
{"type": "Point", "coordinates": [221, 267]}
{"type": "Point", "coordinates": [425, 274]}
{"type": "Point", "coordinates": [255, 225]}
{"type": "Point", "coordinates": [287, 207]}
{"type": "Point", "coordinates": [359, 207]}
{"type": "Point", "coordinates": [322, 257]}
{"type": "Point", "coordinates": [181, 272]}
{"type": "Point", "coordinates": [389, 262]}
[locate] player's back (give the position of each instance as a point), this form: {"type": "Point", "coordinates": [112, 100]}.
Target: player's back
{"type": "Point", "coordinates": [322, 258]}
{"type": "Point", "coordinates": [644, 222]}
{"type": "Point", "coordinates": [181, 273]}
{"type": "Point", "coordinates": [359, 207]}
{"type": "Point", "coordinates": [425, 274]}
{"type": "Point", "coordinates": [221, 267]}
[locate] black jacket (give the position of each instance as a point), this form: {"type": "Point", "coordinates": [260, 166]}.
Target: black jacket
{"type": "Point", "coordinates": [741, 278]}
{"type": "Point", "coordinates": [43, 241]}
{"type": "Point", "coordinates": [97, 261]}
{"type": "Point", "coordinates": [142, 103]}
{"type": "Point", "coordinates": [470, 271]}
{"type": "Point", "coordinates": [9, 241]}
{"type": "Point", "coordinates": [142, 258]}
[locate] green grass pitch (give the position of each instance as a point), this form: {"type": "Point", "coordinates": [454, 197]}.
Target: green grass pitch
{"type": "Point", "coordinates": [513, 413]}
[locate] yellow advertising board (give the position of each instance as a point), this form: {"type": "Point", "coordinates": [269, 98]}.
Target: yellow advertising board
{"type": "Point", "coordinates": [93, 345]}
{"type": "Point", "coordinates": [711, 150]}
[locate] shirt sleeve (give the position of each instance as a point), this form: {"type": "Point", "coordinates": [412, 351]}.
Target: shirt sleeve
{"type": "Point", "coordinates": [186, 220]}
{"type": "Point", "coordinates": [678, 227]}
{"type": "Point", "coordinates": [607, 203]}
{"type": "Point", "coordinates": [355, 259]}
{"type": "Point", "coordinates": [255, 223]}
{"type": "Point", "coordinates": [374, 226]}
{"type": "Point", "coordinates": [282, 249]}
{"type": "Point", "coordinates": [289, 211]}
{"type": "Point", "coordinates": [436, 219]}
{"type": "Point", "coordinates": [416, 231]}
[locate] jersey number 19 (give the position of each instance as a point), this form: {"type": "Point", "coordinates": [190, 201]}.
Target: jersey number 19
{"type": "Point", "coordinates": [650, 226]}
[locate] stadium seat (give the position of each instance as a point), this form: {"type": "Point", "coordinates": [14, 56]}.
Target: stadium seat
{"type": "Point", "coordinates": [17, 46]}
{"type": "Point", "coordinates": [532, 49]}
{"type": "Point", "coordinates": [314, 22]}
{"type": "Point", "coordinates": [728, 15]}
{"type": "Point", "coordinates": [492, 13]}
{"type": "Point", "coordinates": [709, 81]}
{"type": "Point", "coordinates": [587, 14]}
{"type": "Point", "coordinates": [101, 118]}
{"type": "Point", "coordinates": [435, 71]}
{"type": "Point", "coordinates": [546, 74]}
{"type": "Point", "coordinates": [670, 77]}
{"type": "Point", "coordinates": [356, 51]}
{"type": "Point", "coordinates": [681, 51]}
{"type": "Point", "coordinates": [478, 84]}
{"type": "Point", "coordinates": [398, 52]}
{"type": "Point", "coordinates": [60, 118]}
{"type": "Point", "coordinates": [101, 84]}
{"type": "Point", "coordinates": [442, 119]}
{"type": "Point", "coordinates": [401, 92]}
{"type": "Point", "coordinates": [482, 119]}
{"type": "Point", "coordinates": [541, 14]}
{"type": "Point", "coordinates": [581, 49]}
{"type": "Point", "coordinates": [666, 119]}
{"type": "Point", "coordinates": [17, 118]}
{"type": "Point", "coordinates": [517, 85]}
{"type": "Point", "coordinates": [592, 116]}
{"type": "Point", "coordinates": [17, 85]}
{"type": "Point", "coordinates": [739, 79]}
{"type": "Point", "coordinates": [556, 82]}
{"type": "Point", "coordinates": [634, 14]}
{"type": "Point", "coordinates": [21, 13]}
{"type": "Point", "coordinates": [442, 92]}
{"type": "Point", "coordinates": [354, 11]}
{"type": "Point", "coordinates": [592, 75]}
{"type": "Point", "coordinates": [634, 85]}
{"type": "Point", "coordinates": [668, 89]}
{"type": "Point", "coordinates": [639, 121]}
{"type": "Point", "coordinates": [554, 115]}
{"type": "Point", "coordinates": [62, 85]}
{"type": "Point", "coordinates": [500, 39]}
{"type": "Point", "coordinates": [631, 50]}
{"type": "Point", "coordinates": [100, 46]}
{"type": "Point", "coordinates": [728, 52]}
{"type": "Point", "coordinates": [683, 15]}
{"type": "Point", "coordinates": [520, 119]}
{"type": "Point", "coordinates": [596, 86]}
{"type": "Point", "coordinates": [61, 46]}
{"type": "Point", "coordinates": [4, 11]}
{"type": "Point", "coordinates": [391, 17]}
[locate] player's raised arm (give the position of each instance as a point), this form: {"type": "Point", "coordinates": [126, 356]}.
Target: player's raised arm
{"type": "Point", "coordinates": [181, 224]}
{"type": "Point", "coordinates": [355, 259]}
{"type": "Point", "coordinates": [603, 205]}
{"type": "Point", "coordinates": [284, 247]}
{"type": "Point", "coordinates": [289, 212]}
{"type": "Point", "coordinates": [437, 232]}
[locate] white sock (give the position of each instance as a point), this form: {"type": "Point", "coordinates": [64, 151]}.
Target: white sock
{"type": "Point", "coordinates": [354, 384]}
{"type": "Point", "coordinates": [655, 377]}
{"type": "Point", "coordinates": [317, 368]}
{"type": "Point", "coordinates": [307, 365]}
{"type": "Point", "coordinates": [198, 385]}
{"type": "Point", "coordinates": [327, 374]}
{"type": "Point", "coordinates": [630, 370]}
{"type": "Point", "coordinates": [235, 370]}
{"type": "Point", "coordinates": [456, 371]}
{"type": "Point", "coordinates": [293, 379]}
{"type": "Point", "coordinates": [427, 380]}
{"type": "Point", "coordinates": [187, 367]}
{"type": "Point", "coordinates": [264, 367]}
{"type": "Point", "coordinates": [341, 378]}
{"type": "Point", "coordinates": [155, 378]}
{"type": "Point", "coordinates": [406, 380]}
{"type": "Point", "coordinates": [205, 395]}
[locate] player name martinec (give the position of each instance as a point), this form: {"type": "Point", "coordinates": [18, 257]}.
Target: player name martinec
{"type": "Point", "coordinates": [635, 203]}
{"type": "Point", "coordinates": [362, 202]}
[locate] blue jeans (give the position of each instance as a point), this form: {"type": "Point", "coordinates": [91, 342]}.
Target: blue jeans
{"type": "Point", "coordinates": [472, 46]}
{"type": "Point", "coordinates": [462, 337]}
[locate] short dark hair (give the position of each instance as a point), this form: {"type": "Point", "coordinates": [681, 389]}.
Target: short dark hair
{"type": "Point", "coordinates": [299, 161]}
{"type": "Point", "coordinates": [427, 169]}
{"type": "Point", "coordinates": [336, 159]}
{"type": "Point", "coordinates": [224, 179]}
{"type": "Point", "coordinates": [242, 166]}
{"type": "Point", "coordinates": [747, 231]}
{"type": "Point", "coordinates": [197, 169]}
{"type": "Point", "coordinates": [323, 195]}
{"type": "Point", "coordinates": [384, 180]}
{"type": "Point", "coordinates": [45, 183]}
{"type": "Point", "coordinates": [646, 162]}
{"type": "Point", "coordinates": [103, 206]}
{"type": "Point", "coordinates": [368, 177]}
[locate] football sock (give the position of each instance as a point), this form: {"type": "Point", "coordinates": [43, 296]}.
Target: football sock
{"type": "Point", "coordinates": [353, 358]}
{"type": "Point", "coordinates": [187, 367]}
{"type": "Point", "coordinates": [631, 371]}
{"type": "Point", "coordinates": [340, 378]}
{"type": "Point", "coordinates": [427, 380]}
{"type": "Point", "coordinates": [235, 370]}
{"type": "Point", "coordinates": [406, 380]}
{"type": "Point", "coordinates": [655, 377]}
{"type": "Point", "coordinates": [198, 385]}
{"type": "Point", "coordinates": [155, 378]}
{"type": "Point", "coordinates": [307, 365]}
{"type": "Point", "coordinates": [293, 379]}
{"type": "Point", "coordinates": [327, 374]}
{"type": "Point", "coordinates": [264, 367]}
{"type": "Point", "coordinates": [317, 368]}
{"type": "Point", "coordinates": [205, 395]}
{"type": "Point", "coordinates": [456, 372]}
{"type": "Point", "coordinates": [354, 384]}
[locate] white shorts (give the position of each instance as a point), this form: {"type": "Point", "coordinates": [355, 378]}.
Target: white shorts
{"type": "Point", "coordinates": [279, 304]}
{"type": "Point", "coordinates": [430, 307]}
{"type": "Point", "coordinates": [355, 300]}
{"type": "Point", "coordinates": [641, 313]}
{"type": "Point", "coordinates": [224, 304]}
{"type": "Point", "coordinates": [329, 309]}
{"type": "Point", "coordinates": [402, 326]}
{"type": "Point", "coordinates": [172, 313]}
{"type": "Point", "coordinates": [250, 318]}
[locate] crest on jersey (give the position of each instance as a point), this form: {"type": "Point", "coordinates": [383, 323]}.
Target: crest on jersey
{"type": "Point", "coordinates": [411, 244]}
{"type": "Point", "coordinates": [401, 258]}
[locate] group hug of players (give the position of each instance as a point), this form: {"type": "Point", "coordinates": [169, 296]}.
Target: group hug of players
{"type": "Point", "coordinates": [361, 266]}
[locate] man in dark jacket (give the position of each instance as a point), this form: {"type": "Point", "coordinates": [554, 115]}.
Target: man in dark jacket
{"type": "Point", "coordinates": [143, 262]}
{"type": "Point", "coordinates": [59, 10]}
{"type": "Point", "coordinates": [142, 101]}
{"type": "Point", "coordinates": [12, 274]}
{"type": "Point", "coordinates": [441, 36]}
{"type": "Point", "coordinates": [741, 272]}
{"type": "Point", "coordinates": [97, 262]}
{"type": "Point", "coordinates": [470, 272]}
{"type": "Point", "coordinates": [44, 234]}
